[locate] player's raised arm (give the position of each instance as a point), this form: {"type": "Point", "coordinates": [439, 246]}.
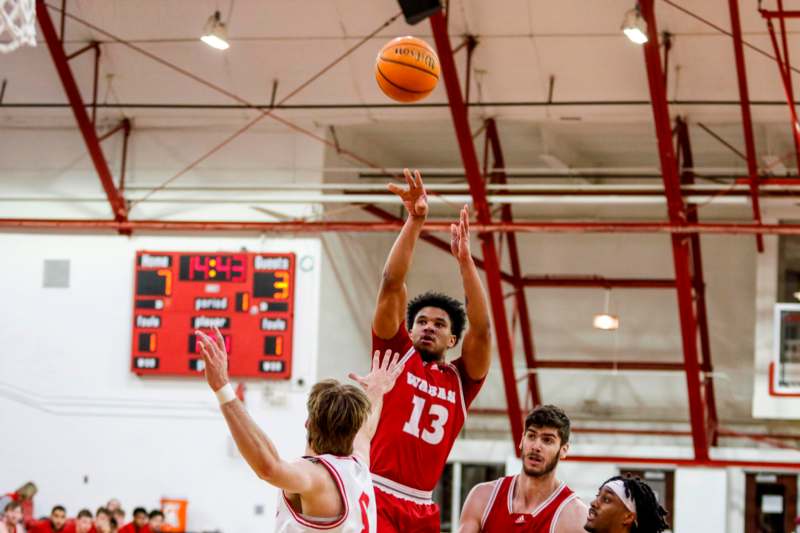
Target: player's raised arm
{"type": "Point", "coordinates": [392, 294]}
{"type": "Point", "coordinates": [258, 450]}
{"type": "Point", "coordinates": [476, 350]}
{"type": "Point", "coordinates": [378, 382]}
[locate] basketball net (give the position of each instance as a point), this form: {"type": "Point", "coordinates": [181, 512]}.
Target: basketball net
{"type": "Point", "coordinates": [17, 24]}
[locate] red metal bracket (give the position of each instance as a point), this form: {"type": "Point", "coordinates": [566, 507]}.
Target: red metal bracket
{"type": "Point", "coordinates": [687, 178]}
{"type": "Point", "coordinates": [526, 330]}
{"type": "Point", "coordinates": [747, 123]}
{"type": "Point", "coordinates": [784, 67]}
{"type": "Point", "coordinates": [458, 112]}
{"type": "Point", "coordinates": [115, 199]}
{"type": "Point", "coordinates": [680, 243]}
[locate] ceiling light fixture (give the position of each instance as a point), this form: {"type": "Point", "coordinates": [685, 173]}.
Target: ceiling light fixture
{"type": "Point", "coordinates": [605, 320]}
{"type": "Point", "coordinates": [215, 34]}
{"type": "Point", "coordinates": [634, 26]}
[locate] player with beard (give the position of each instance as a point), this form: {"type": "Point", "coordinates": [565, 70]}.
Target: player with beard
{"type": "Point", "coordinates": [626, 505]}
{"type": "Point", "coordinates": [533, 501]}
{"type": "Point", "coordinates": [423, 414]}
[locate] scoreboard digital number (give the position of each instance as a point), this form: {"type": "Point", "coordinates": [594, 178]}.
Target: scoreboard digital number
{"type": "Point", "coordinates": [248, 296]}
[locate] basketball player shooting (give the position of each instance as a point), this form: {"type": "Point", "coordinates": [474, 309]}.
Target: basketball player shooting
{"type": "Point", "coordinates": [534, 501]}
{"type": "Point", "coordinates": [330, 487]}
{"type": "Point", "coordinates": [424, 412]}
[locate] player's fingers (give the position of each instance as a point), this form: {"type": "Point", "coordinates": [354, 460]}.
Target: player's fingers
{"type": "Point", "coordinates": [220, 339]}
{"type": "Point", "coordinates": [409, 179]}
{"type": "Point", "coordinates": [355, 377]}
{"type": "Point", "coordinates": [418, 179]}
{"type": "Point", "coordinates": [376, 360]}
{"type": "Point", "coordinates": [395, 188]}
{"type": "Point", "coordinates": [387, 359]}
{"type": "Point", "coordinates": [395, 360]}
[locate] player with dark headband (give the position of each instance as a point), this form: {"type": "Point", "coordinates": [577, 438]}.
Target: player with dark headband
{"type": "Point", "coordinates": [626, 505]}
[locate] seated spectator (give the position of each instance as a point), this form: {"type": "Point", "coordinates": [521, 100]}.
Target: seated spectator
{"type": "Point", "coordinates": [12, 515]}
{"type": "Point", "coordinates": [119, 516]}
{"type": "Point", "coordinates": [113, 504]}
{"type": "Point", "coordinates": [102, 520]}
{"type": "Point", "coordinates": [82, 524]}
{"type": "Point", "coordinates": [156, 519]}
{"type": "Point", "coordinates": [56, 522]}
{"type": "Point", "coordinates": [139, 523]}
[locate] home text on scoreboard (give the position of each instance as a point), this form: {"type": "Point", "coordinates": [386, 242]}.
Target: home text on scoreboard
{"type": "Point", "coordinates": [249, 297]}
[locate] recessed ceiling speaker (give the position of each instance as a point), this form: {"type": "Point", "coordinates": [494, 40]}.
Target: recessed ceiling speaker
{"type": "Point", "coordinates": [417, 10]}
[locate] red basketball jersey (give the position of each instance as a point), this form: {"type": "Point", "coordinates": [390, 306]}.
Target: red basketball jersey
{"type": "Point", "coordinates": [498, 515]}
{"type": "Point", "coordinates": [421, 418]}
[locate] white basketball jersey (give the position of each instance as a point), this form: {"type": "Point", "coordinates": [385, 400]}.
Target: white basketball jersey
{"type": "Point", "coordinates": [355, 487]}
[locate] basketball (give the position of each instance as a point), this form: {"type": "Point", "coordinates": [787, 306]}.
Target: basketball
{"type": "Point", "coordinates": [407, 69]}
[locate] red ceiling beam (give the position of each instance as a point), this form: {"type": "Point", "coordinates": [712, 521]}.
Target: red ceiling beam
{"type": "Point", "coordinates": [635, 366]}
{"type": "Point", "coordinates": [747, 122]}
{"type": "Point", "coordinates": [360, 226]}
{"type": "Point", "coordinates": [687, 177]}
{"type": "Point", "coordinates": [526, 330]}
{"type": "Point", "coordinates": [589, 282]}
{"type": "Point", "coordinates": [676, 210]}
{"type": "Point", "coordinates": [115, 199]}
{"type": "Point", "coordinates": [461, 125]}
{"type": "Point", "coordinates": [680, 461]}
{"type": "Point", "coordinates": [767, 14]}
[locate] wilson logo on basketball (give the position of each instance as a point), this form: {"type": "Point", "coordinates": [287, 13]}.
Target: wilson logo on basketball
{"type": "Point", "coordinates": [418, 55]}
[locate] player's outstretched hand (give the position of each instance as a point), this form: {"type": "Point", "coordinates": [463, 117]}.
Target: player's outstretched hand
{"type": "Point", "coordinates": [414, 197]}
{"type": "Point", "coordinates": [382, 376]}
{"type": "Point", "coordinates": [215, 358]}
{"type": "Point", "coordinates": [459, 236]}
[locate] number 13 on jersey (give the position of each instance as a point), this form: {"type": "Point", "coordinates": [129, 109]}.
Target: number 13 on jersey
{"type": "Point", "coordinates": [437, 415]}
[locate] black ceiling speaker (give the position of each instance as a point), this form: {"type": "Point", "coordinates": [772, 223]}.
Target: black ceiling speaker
{"type": "Point", "coordinates": [417, 10]}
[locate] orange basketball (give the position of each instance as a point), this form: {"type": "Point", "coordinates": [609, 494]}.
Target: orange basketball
{"type": "Point", "coordinates": [407, 69]}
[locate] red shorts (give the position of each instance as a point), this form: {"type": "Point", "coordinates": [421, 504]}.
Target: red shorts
{"type": "Point", "coordinates": [396, 515]}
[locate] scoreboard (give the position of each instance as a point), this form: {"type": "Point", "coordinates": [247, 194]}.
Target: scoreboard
{"type": "Point", "coordinates": [248, 296]}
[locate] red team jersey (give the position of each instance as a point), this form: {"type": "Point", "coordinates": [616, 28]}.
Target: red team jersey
{"type": "Point", "coordinates": [421, 418]}
{"type": "Point", "coordinates": [498, 515]}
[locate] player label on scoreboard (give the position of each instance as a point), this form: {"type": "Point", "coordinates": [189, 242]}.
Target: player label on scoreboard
{"type": "Point", "coordinates": [248, 296]}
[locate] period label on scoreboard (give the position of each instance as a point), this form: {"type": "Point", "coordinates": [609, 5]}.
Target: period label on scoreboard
{"type": "Point", "coordinates": [248, 296]}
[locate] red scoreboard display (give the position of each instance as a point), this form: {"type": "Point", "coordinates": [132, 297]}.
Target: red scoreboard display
{"type": "Point", "coordinates": [248, 296]}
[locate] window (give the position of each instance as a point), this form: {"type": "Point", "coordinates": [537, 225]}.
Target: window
{"type": "Point", "coordinates": [454, 486]}
{"type": "Point", "coordinates": [663, 484]}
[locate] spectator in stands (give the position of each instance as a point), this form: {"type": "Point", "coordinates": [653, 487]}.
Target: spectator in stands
{"type": "Point", "coordinates": [139, 523]}
{"type": "Point", "coordinates": [102, 520]}
{"type": "Point", "coordinates": [156, 519]}
{"type": "Point", "coordinates": [119, 516]}
{"type": "Point", "coordinates": [82, 524]}
{"type": "Point", "coordinates": [12, 515]}
{"type": "Point", "coordinates": [113, 504]}
{"type": "Point", "coordinates": [53, 524]}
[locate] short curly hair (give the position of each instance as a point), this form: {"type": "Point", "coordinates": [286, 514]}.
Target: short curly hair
{"type": "Point", "coordinates": [451, 306]}
{"type": "Point", "coordinates": [550, 416]}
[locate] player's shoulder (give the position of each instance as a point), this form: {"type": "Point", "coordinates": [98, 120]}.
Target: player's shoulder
{"type": "Point", "coordinates": [572, 516]}
{"type": "Point", "coordinates": [482, 492]}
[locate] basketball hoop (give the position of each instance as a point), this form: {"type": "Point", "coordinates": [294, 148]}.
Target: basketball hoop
{"type": "Point", "coordinates": [17, 24]}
